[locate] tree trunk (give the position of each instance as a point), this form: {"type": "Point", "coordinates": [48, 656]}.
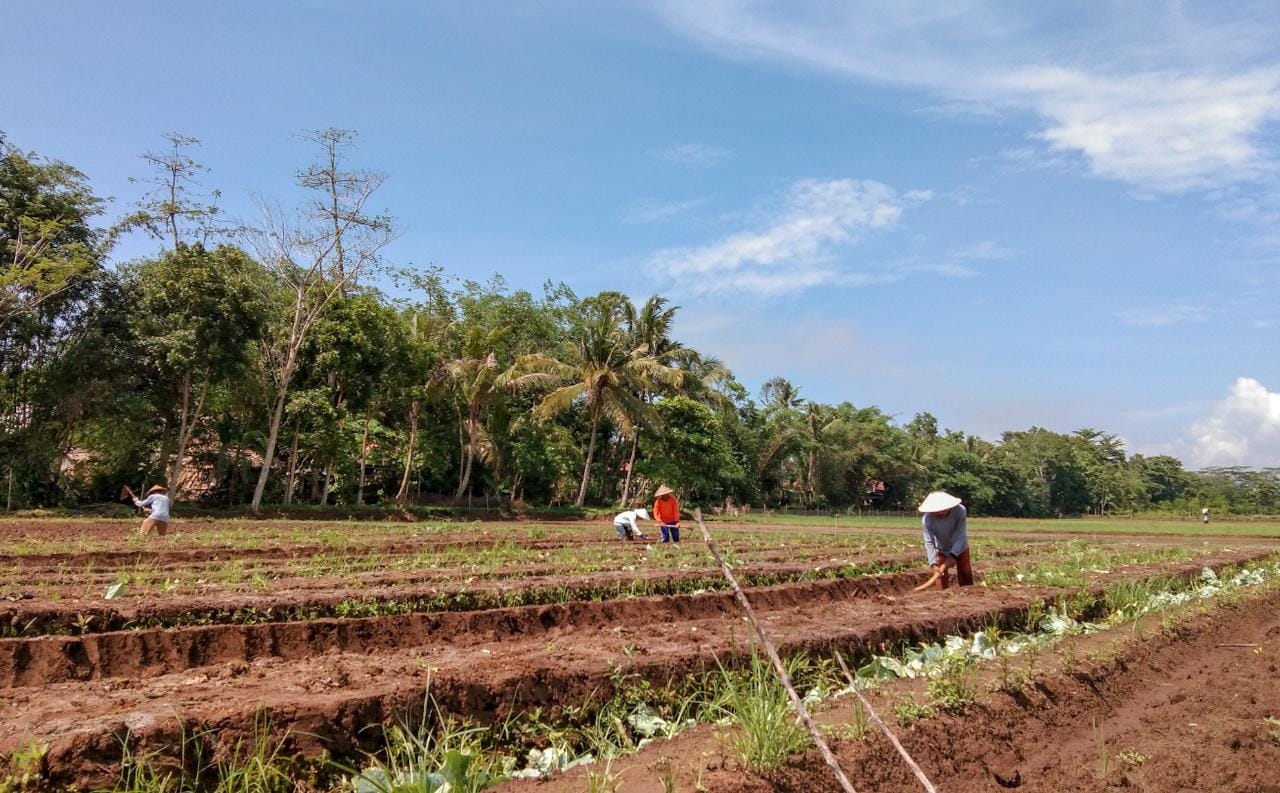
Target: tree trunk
{"type": "Point", "coordinates": [165, 437]}
{"type": "Point", "coordinates": [364, 450]}
{"type": "Point", "coordinates": [631, 467]}
{"type": "Point", "coordinates": [328, 482]}
{"type": "Point", "coordinates": [408, 458]}
{"type": "Point", "coordinates": [186, 427]}
{"type": "Point", "coordinates": [812, 491]}
{"type": "Point", "coordinates": [273, 436]}
{"type": "Point", "coordinates": [220, 466]}
{"type": "Point", "coordinates": [465, 480]}
{"type": "Point", "coordinates": [473, 425]}
{"type": "Point", "coordinates": [586, 469]}
{"type": "Point", "coordinates": [517, 482]}
{"type": "Point", "coordinates": [293, 466]}
{"type": "Point", "coordinates": [237, 474]}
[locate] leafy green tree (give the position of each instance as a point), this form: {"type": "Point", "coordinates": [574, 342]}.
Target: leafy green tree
{"type": "Point", "coordinates": [1163, 477]}
{"type": "Point", "coordinates": [691, 453]}
{"type": "Point", "coordinates": [47, 244]}
{"type": "Point", "coordinates": [198, 314]}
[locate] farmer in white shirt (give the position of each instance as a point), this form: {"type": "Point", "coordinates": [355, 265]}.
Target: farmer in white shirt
{"type": "Point", "coordinates": [157, 504]}
{"type": "Point", "coordinates": [946, 537]}
{"type": "Point", "coordinates": [625, 523]}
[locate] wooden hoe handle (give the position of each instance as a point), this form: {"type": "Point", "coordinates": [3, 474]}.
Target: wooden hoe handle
{"type": "Point", "coordinates": [933, 578]}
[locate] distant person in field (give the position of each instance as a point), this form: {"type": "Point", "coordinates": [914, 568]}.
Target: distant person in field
{"type": "Point", "coordinates": [627, 523]}
{"type": "Point", "coordinates": [946, 537]}
{"type": "Point", "coordinates": [666, 511]}
{"type": "Point", "coordinates": [157, 505]}
{"type": "Point", "coordinates": [1204, 515]}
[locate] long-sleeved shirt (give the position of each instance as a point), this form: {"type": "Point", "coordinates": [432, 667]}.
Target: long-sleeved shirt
{"type": "Point", "coordinates": [628, 519]}
{"type": "Point", "coordinates": [666, 510]}
{"type": "Point", "coordinates": [947, 534]}
{"type": "Point", "coordinates": [159, 504]}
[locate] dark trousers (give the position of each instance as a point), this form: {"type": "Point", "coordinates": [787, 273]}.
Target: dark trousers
{"type": "Point", "coordinates": [964, 572]}
{"type": "Point", "coordinates": [670, 532]}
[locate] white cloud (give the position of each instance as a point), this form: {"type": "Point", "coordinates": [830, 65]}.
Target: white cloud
{"type": "Point", "coordinates": [796, 247]}
{"type": "Point", "coordinates": [1262, 324]}
{"type": "Point", "coordinates": [1242, 429]}
{"type": "Point", "coordinates": [1162, 316]}
{"type": "Point", "coordinates": [695, 155]}
{"type": "Point", "coordinates": [1162, 131]}
{"type": "Point", "coordinates": [1163, 101]}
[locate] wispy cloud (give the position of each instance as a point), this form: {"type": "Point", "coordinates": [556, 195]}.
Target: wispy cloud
{"type": "Point", "coordinates": [795, 248]}
{"type": "Point", "coordinates": [1166, 102]}
{"type": "Point", "coordinates": [1162, 316]}
{"type": "Point", "coordinates": [987, 250]}
{"type": "Point", "coordinates": [696, 155]}
{"type": "Point", "coordinates": [653, 211]}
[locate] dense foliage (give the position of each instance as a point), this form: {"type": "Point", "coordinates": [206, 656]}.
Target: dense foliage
{"type": "Point", "coordinates": [245, 365]}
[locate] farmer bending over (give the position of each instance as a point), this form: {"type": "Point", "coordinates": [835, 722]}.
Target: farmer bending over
{"type": "Point", "coordinates": [625, 523]}
{"type": "Point", "coordinates": [157, 502]}
{"type": "Point", "coordinates": [666, 510]}
{"type": "Point", "coordinates": [946, 537]}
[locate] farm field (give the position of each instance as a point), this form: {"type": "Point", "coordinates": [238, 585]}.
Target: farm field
{"type": "Point", "coordinates": [299, 641]}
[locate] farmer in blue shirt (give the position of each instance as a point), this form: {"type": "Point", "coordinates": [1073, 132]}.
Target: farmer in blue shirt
{"type": "Point", "coordinates": [157, 505]}
{"type": "Point", "coordinates": [946, 539]}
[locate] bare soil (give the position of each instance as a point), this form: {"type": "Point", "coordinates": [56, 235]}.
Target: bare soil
{"type": "Point", "coordinates": [325, 681]}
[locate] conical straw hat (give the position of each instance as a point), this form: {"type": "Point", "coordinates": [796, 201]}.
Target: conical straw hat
{"type": "Point", "coordinates": [938, 501]}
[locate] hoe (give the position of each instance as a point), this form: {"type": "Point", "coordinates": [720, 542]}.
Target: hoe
{"type": "Point", "coordinates": [937, 573]}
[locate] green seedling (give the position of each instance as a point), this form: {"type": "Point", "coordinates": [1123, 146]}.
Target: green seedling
{"type": "Point", "coordinates": [25, 768]}
{"type": "Point", "coordinates": [952, 688]}
{"type": "Point", "coordinates": [908, 711]}
{"type": "Point", "coordinates": [1100, 740]}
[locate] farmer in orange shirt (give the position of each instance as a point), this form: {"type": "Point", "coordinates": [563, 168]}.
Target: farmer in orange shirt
{"type": "Point", "coordinates": [666, 511]}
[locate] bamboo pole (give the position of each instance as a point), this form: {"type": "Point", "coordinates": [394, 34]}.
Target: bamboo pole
{"type": "Point", "coordinates": [893, 739]}
{"type": "Point", "coordinates": [827, 756]}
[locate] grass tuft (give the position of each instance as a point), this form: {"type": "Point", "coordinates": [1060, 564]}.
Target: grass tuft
{"type": "Point", "coordinates": [766, 732]}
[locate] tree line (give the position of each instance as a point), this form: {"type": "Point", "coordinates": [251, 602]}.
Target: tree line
{"type": "Point", "coordinates": [256, 362]}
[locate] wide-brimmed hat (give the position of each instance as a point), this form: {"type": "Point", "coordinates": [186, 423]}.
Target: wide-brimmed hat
{"type": "Point", "coordinates": [663, 490]}
{"type": "Point", "coordinates": [158, 489]}
{"type": "Point", "coordinates": [938, 501]}
{"type": "Point", "coordinates": [642, 513]}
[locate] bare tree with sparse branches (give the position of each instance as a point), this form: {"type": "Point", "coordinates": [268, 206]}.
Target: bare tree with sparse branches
{"type": "Point", "coordinates": [315, 256]}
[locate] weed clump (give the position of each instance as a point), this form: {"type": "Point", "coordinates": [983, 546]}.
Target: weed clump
{"type": "Point", "coordinates": [766, 732]}
{"type": "Point", "coordinates": [908, 711]}
{"type": "Point", "coordinates": [952, 689]}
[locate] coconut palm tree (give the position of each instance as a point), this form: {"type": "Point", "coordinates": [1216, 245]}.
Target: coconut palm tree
{"type": "Point", "coordinates": [649, 327]}
{"type": "Point", "coordinates": [425, 336]}
{"type": "Point", "coordinates": [479, 383]}
{"type": "Point", "coordinates": [819, 421]}
{"type": "Point", "coordinates": [607, 371]}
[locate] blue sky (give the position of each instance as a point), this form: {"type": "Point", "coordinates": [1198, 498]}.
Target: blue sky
{"type": "Point", "coordinates": [1005, 214]}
